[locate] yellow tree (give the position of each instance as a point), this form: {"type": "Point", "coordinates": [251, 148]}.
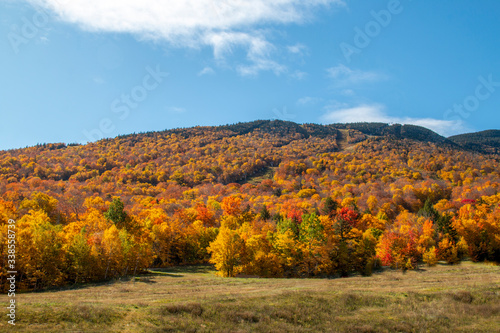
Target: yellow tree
{"type": "Point", "coordinates": [45, 203]}
{"type": "Point", "coordinates": [228, 251]}
{"type": "Point", "coordinates": [372, 203]}
{"type": "Point", "coordinates": [80, 259]}
{"type": "Point", "coordinates": [261, 260]}
{"type": "Point", "coordinates": [481, 230]}
{"type": "Point", "coordinates": [286, 245]}
{"type": "Point", "coordinates": [113, 252]}
{"type": "Point", "coordinates": [43, 258]}
{"type": "Point", "coordinates": [7, 213]}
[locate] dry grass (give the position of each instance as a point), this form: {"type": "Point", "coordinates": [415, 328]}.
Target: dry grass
{"type": "Point", "coordinates": [464, 298]}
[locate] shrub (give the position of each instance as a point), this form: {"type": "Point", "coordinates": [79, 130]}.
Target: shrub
{"type": "Point", "coordinates": [430, 257]}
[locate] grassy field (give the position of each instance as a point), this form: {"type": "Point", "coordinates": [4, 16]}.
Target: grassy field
{"type": "Point", "coordinates": [463, 298]}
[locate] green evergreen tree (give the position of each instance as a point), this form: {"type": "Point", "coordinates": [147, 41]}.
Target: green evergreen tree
{"type": "Point", "coordinates": [264, 213]}
{"type": "Point", "coordinates": [116, 213]}
{"type": "Point", "coordinates": [329, 206]}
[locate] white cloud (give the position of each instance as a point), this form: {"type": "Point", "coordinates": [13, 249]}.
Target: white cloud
{"type": "Point", "coordinates": [221, 24]}
{"type": "Point", "coordinates": [308, 101]}
{"type": "Point", "coordinates": [206, 71]}
{"type": "Point", "coordinates": [376, 113]}
{"type": "Point", "coordinates": [298, 75]}
{"type": "Point", "coordinates": [344, 75]}
{"type": "Point", "coordinates": [298, 49]}
{"type": "Point", "coordinates": [259, 51]}
{"type": "Point", "coordinates": [175, 110]}
{"type": "Point", "coordinates": [361, 113]}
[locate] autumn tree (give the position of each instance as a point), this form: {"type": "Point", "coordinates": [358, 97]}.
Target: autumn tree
{"type": "Point", "coordinates": [227, 251]}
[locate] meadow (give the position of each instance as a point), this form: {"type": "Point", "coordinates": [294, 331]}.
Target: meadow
{"type": "Point", "coordinates": [444, 298]}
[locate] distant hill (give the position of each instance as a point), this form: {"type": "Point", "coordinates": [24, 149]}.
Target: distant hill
{"type": "Point", "coordinates": [412, 132]}
{"type": "Point", "coordinates": [285, 128]}
{"type": "Point", "coordinates": [484, 142]}
{"type": "Point", "coordinates": [286, 132]}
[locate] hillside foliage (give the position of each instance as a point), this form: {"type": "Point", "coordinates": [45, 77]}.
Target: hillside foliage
{"type": "Point", "coordinates": [267, 198]}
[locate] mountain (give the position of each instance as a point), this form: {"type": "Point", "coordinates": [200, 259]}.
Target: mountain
{"type": "Point", "coordinates": [286, 197]}
{"type": "Point", "coordinates": [221, 154]}
{"type": "Point", "coordinates": [484, 142]}
{"type": "Point", "coordinates": [397, 131]}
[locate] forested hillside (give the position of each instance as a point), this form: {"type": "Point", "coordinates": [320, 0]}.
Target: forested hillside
{"type": "Point", "coordinates": [266, 198]}
{"type": "Point", "coordinates": [485, 141]}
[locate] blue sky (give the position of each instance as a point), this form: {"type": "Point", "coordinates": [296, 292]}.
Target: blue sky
{"type": "Point", "coordinates": [77, 71]}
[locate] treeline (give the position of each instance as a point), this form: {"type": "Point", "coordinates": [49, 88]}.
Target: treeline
{"type": "Point", "coordinates": [104, 242]}
{"type": "Point", "coordinates": [335, 239]}
{"type": "Point", "coordinates": [339, 241]}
